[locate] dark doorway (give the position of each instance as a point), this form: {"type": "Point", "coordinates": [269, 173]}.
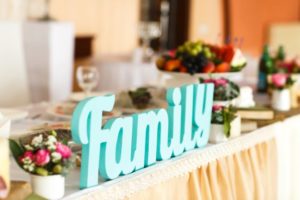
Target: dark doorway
{"type": "Point", "coordinates": [177, 31]}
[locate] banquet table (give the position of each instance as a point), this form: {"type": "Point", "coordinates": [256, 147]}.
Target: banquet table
{"type": "Point", "coordinates": [262, 164]}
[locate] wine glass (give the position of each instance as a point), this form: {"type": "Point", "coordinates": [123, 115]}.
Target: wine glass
{"type": "Point", "coordinates": [87, 78]}
{"type": "Point", "coordinates": [148, 30]}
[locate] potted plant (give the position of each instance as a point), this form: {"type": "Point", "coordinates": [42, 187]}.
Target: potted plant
{"type": "Point", "coordinates": [224, 124]}
{"type": "Point", "coordinates": [280, 84]}
{"type": "Point", "coordinates": [47, 159]}
{"type": "Point", "coordinates": [225, 91]}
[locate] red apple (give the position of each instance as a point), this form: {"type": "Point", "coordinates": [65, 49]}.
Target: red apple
{"type": "Point", "coordinates": [209, 68]}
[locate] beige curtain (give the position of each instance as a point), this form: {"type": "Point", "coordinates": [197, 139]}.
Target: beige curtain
{"type": "Point", "coordinates": [248, 174]}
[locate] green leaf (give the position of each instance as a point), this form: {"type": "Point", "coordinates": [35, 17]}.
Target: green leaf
{"type": "Point", "coordinates": [227, 120]}
{"type": "Point", "coordinates": [15, 149]}
{"type": "Point", "coordinates": [41, 171]}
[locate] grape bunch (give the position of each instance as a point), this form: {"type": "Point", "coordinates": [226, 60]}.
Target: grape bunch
{"type": "Point", "coordinates": [192, 48]}
{"type": "Point", "coordinates": [194, 64]}
{"type": "Point", "coordinates": [194, 56]}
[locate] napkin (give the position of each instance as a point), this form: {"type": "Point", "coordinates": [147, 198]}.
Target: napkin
{"type": "Point", "coordinates": [4, 128]}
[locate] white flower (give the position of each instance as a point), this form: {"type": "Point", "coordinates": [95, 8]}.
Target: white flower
{"type": "Point", "coordinates": [56, 157]}
{"type": "Point", "coordinates": [28, 147]}
{"type": "Point", "coordinates": [51, 147]}
{"type": "Point", "coordinates": [29, 167]}
{"type": "Point", "coordinates": [51, 139]}
{"type": "Point", "coordinates": [37, 140]}
{"type": "Point", "coordinates": [27, 160]}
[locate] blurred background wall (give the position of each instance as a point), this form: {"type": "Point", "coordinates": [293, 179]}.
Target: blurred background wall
{"type": "Point", "coordinates": [112, 22]}
{"type": "Point", "coordinates": [206, 20]}
{"type": "Point", "coordinates": [212, 20]}
{"type": "Point", "coordinates": [251, 19]}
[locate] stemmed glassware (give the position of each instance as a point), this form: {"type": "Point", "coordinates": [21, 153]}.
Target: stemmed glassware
{"type": "Point", "coordinates": [148, 30]}
{"type": "Point", "coordinates": [87, 78]}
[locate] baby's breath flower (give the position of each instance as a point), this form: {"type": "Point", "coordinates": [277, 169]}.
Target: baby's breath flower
{"type": "Point", "coordinates": [29, 167]}
{"type": "Point", "coordinates": [27, 160]}
{"type": "Point", "coordinates": [51, 147]}
{"type": "Point", "coordinates": [51, 138]}
{"type": "Point", "coordinates": [28, 147]}
{"type": "Point", "coordinates": [56, 157]}
{"type": "Point", "coordinates": [37, 140]}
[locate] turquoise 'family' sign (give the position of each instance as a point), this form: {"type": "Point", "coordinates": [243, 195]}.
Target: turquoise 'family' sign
{"type": "Point", "coordinates": [127, 144]}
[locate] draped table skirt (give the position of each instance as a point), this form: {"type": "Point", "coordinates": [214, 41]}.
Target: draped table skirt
{"type": "Point", "coordinates": [242, 168]}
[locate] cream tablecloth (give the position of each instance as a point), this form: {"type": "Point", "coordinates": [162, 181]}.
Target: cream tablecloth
{"type": "Point", "coordinates": [263, 164]}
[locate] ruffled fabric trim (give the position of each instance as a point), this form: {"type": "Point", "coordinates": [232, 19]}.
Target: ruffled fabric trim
{"type": "Point", "coordinates": [165, 170]}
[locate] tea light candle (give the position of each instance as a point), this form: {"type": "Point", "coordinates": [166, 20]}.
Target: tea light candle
{"type": "Point", "coordinates": [245, 100]}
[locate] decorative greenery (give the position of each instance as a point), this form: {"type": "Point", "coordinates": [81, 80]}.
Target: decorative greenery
{"type": "Point", "coordinates": [43, 154]}
{"type": "Point", "coordinates": [281, 81]}
{"type": "Point", "coordinates": [223, 115]}
{"type": "Point", "coordinates": [224, 89]}
{"type": "Point", "coordinates": [140, 97]}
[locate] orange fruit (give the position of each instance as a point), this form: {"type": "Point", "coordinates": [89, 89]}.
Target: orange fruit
{"type": "Point", "coordinates": [172, 65]}
{"type": "Point", "coordinates": [223, 67]}
{"type": "Point", "coordinates": [160, 62]}
{"type": "Point", "coordinates": [182, 69]}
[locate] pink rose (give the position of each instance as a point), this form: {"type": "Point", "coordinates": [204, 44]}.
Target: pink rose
{"type": "Point", "coordinates": [64, 150]}
{"type": "Point", "coordinates": [209, 81]}
{"type": "Point", "coordinates": [279, 80]}
{"type": "Point", "coordinates": [42, 157]}
{"type": "Point", "coordinates": [216, 108]}
{"type": "Point", "coordinates": [27, 154]}
{"type": "Point", "coordinates": [220, 82]}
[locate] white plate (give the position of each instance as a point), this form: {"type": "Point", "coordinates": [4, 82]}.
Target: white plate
{"type": "Point", "coordinates": [78, 96]}
{"type": "Point", "coordinates": [64, 111]}
{"type": "Point", "coordinates": [60, 110]}
{"type": "Point", "coordinates": [13, 114]}
{"type": "Point", "coordinates": [156, 104]}
{"type": "Point", "coordinates": [176, 79]}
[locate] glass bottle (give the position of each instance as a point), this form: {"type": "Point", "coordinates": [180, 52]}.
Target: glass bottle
{"type": "Point", "coordinates": [265, 68]}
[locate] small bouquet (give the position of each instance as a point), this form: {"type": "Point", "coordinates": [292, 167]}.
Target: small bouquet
{"type": "Point", "coordinates": [223, 116]}
{"type": "Point", "coordinates": [281, 94]}
{"type": "Point", "coordinates": [281, 81]}
{"type": "Point", "coordinates": [224, 89]}
{"type": "Point", "coordinates": [140, 97]}
{"type": "Point", "coordinates": [43, 155]}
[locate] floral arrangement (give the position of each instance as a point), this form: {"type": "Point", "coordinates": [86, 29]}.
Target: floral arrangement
{"type": "Point", "coordinates": [289, 66]}
{"type": "Point", "coordinates": [140, 97]}
{"type": "Point", "coordinates": [199, 57]}
{"type": "Point", "coordinates": [281, 81]}
{"type": "Point", "coordinates": [43, 155]}
{"type": "Point", "coordinates": [277, 62]}
{"type": "Point", "coordinates": [224, 89]}
{"type": "Point", "coordinates": [223, 115]}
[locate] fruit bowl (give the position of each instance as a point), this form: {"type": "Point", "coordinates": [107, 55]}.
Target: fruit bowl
{"type": "Point", "coordinates": [200, 58]}
{"type": "Point", "coordinates": [176, 79]}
